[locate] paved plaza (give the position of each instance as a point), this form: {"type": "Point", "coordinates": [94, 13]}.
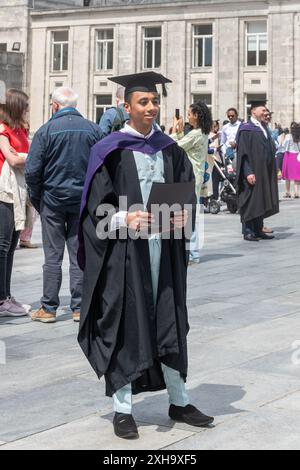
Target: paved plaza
{"type": "Point", "coordinates": [244, 353]}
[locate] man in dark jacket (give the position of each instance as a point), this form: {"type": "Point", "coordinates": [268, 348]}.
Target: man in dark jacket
{"type": "Point", "coordinates": [55, 172]}
{"type": "Point", "coordinates": [257, 185]}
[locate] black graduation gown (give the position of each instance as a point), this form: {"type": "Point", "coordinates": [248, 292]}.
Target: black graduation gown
{"type": "Point", "coordinates": [122, 334]}
{"type": "Point", "coordinates": [262, 199]}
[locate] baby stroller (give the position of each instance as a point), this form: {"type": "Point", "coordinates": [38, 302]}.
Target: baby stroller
{"type": "Point", "coordinates": [228, 193]}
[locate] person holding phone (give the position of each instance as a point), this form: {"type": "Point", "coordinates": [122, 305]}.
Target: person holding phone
{"type": "Point", "coordinates": [195, 144]}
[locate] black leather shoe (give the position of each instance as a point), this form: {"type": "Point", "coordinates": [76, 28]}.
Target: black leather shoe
{"type": "Point", "coordinates": [125, 427]}
{"type": "Point", "coordinates": [251, 238]}
{"type": "Point", "coordinates": [264, 236]}
{"type": "Point", "coordinates": [189, 415]}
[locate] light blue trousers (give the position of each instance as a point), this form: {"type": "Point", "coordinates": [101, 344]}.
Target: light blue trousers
{"type": "Point", "coordinates": [174, 382]}
{"type": "Point", "coordinates": [175, 386]}
{"type": "Point", "coordinates": [194, 247]}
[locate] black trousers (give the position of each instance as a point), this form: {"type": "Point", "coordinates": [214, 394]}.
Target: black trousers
{"type": "Point", "coordinates": [279, 161]}
{"type": "Point", "coordinates": [216, 180]}
{"type": "Point", "coordinates": [8, 243]}
{"type": "Point", "coordinates": [253, 227]}
{"type": "Point", "coordinates": [60, 229]}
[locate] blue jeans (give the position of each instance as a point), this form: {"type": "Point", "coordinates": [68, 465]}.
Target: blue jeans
{"type": "Point", "coordinates": [8, 243]}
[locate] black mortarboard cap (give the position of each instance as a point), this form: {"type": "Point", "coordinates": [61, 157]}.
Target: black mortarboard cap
{"type": "Point", "coordinates": [145, 81]}
{"type": "Point", "coordinates": [257, 104]}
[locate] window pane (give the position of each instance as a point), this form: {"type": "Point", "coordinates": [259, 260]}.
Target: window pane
{"type": "Point", "coordinates": [148, 54]}
{"type": "Point", "coordinates": [208, 52]}
{"type": "Point", "coordinates": [263, 47]}
{"type": "Point", "coordinates": [61, 36]}
{"type": "Point", "coordinates": [263, 58]}
{"type": "Point", "coordinates": [103, 103]}
{"type": "Point", "coordinates": [263, 43]}
{"type": "Point", "coordinates": [252, 58]}
{"type": "Point", "coordinates": [205, 98]}
{"type": "Point", "coordinates": [3, 47]}
{"type": "Point", "coordinates": [56, 57]}
{"type": "Point", "coordinates": [106, 34]}
{"type": "Point", "coordinates": [104, 100]}
{"type": "Point", "coordinates": [252, 51]}
{"type": "Point", "coordinates": [256, 97]}
{"type": "Point", "coordinates": [157, 54]}
{"type": "Point", "coordinates": [99, 114]}
{"type": "Point", "coordinates": [153, 32]}
{"type": "Point", "coordinates": [198, 52]}
{"type": "Point", "coordinates": [65, 56]}
{"type": "Point", "coordinates": [100, 56]}
{"type": "Point", "coordinates": [203, 29]}
{"type": "Point", "coordinates": [257, 27]}
{"type": "Point", "coordinates": [252, 43]}
{"type": "Point", "coordinates": [110, 55]}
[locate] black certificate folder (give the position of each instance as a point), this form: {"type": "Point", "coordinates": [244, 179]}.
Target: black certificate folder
{"type": "Point", "coordinates": [171, 194]}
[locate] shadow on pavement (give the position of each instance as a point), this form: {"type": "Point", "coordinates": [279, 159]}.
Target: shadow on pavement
{"type": "Point", "coordinates": [219, 256]}
{"type": "Point", "coordinates": [212, 399]}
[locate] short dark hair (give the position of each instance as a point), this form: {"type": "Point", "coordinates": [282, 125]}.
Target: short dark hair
{"type": "Point", "coordinates": [128, 97]}
{"type": "Point", "coordinates": [234, 110]}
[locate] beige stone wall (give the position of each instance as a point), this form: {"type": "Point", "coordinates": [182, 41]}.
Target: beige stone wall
{"type": "Point", "coordinates": [39, 90]}
{"type": "Point", "coordinates": [283, 61]}
{"type": "Point", "coordinates": [229, 80]}
{"type": "Point", "coordinates": [14, 28]}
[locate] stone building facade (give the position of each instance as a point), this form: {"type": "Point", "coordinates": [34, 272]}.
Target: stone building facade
{"type": "Point", "coordinates": [11, 71]}
{"type": "Point", "coordinates": [15, 36]}
{"type": "Point", "coordinates": [223, 52]}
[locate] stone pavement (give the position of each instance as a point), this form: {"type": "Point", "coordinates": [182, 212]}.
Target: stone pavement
{"type": "Point", "coordinates": [244, 306]}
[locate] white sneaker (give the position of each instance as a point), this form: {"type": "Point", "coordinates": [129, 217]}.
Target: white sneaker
{"type": "Point", "coordinates": [9, 309]}
{"type": "Point", "coordinates": [26, 307]}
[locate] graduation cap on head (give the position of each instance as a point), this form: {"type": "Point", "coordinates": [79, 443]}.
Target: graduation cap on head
{"type": "Point", "coordinates": [257, 104]}
{"type": "Point", "coordinates": [145, 81]}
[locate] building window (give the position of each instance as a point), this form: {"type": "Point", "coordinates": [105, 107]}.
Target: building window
{"type": "Point", "coordinates": [252, 98]}
{"type": "Point", "coordinates": [152, 48]}
{"type": "Point", "coordinates": [102, 104]}
{"type": "Point", "coordinates": [3, 47]}
{"type": "Point", "coordinates": [105, 50]}
{"type": "Point", "coordinates": [60, 51]}
{"type": "Point", "coordinates": [257, 43]}
{"type": "Point", "coordinates": [202, 45]}
{"type": "Point", "coordinates": [205, 98]}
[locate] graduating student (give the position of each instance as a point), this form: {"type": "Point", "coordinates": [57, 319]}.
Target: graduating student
{"type": "Point", "coordinates": [257, 184]}
{"type": "Point", "coordinates": [134, 322]}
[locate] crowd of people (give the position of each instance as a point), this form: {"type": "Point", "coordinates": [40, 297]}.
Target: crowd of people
{"type": "Point", "coordinates": [130, 296]}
